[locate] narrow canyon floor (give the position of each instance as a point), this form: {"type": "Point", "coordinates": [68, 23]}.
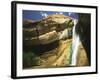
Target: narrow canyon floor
{"type": "Point", "coordinates": [61, 56]}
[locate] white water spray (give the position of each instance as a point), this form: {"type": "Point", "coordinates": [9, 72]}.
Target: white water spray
{"type": "Point", "coordinates": [75, 45]}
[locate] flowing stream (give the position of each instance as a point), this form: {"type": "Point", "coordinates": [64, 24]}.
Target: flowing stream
{"type": "Point", "coordinates": [75, 45]}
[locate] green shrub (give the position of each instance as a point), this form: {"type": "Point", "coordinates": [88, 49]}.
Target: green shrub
{"type": "Point", "coordinates": [29, 60]}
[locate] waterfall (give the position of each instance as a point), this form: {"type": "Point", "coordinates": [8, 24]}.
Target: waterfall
{"type": "Point", "coordinates": [75, 44]}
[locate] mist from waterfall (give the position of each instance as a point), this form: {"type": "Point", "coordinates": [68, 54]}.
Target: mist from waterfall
{"type": "Point", "coordinates": [75, 45]}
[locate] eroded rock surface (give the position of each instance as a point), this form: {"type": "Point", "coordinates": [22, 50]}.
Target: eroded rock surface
{"type": "Point", "coordinates": [47, 30]}
{"type": "Point", "coordinates": [51, 41]}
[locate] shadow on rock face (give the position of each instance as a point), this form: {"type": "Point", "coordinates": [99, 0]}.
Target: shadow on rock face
{"type": "Point", "coordinates": [50, 35]}
{"type": "Point", "coordinates": [43, 35]}
{"type": "Point", "coordinates": [40, 49]}
{"type": "Point", "coordinates": [83, 28]}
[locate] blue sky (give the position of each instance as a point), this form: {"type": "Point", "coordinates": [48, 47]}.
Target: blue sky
{"type": "Point", "coordinates": [37, 15]}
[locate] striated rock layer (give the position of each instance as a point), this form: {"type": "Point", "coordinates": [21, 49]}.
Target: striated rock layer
{"type": "Point", "coordinates": [51, 40]}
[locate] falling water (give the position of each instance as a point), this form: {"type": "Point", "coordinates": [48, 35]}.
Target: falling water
{"type": "Point", "coordinates": [75, 44]}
